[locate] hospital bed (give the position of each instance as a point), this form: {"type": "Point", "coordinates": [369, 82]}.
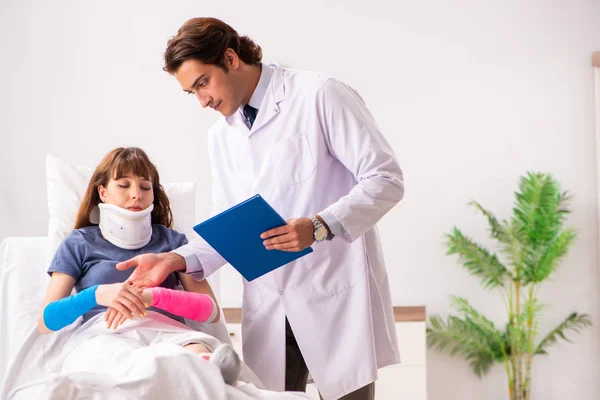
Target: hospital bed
{"type": "Point", "coordinates": [23, 281]}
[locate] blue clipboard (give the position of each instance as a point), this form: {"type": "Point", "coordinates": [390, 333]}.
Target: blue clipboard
{"type": "Point", "coordinates": [235, 235]}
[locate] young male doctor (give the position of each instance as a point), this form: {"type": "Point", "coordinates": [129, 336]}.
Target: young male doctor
{"type": "Point", "coordinates": [310, 147]}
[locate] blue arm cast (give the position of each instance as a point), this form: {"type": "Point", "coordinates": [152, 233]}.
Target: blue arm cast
{"type": "Point", "coordinates": [63, 312]}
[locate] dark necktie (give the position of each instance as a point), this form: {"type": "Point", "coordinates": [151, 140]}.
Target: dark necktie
{"type": "Point", "coordinates": [250, 114]}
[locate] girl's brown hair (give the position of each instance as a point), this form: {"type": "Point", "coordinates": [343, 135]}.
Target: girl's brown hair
{"type": "Point", "coordinates": [205, 40]}
{"type": "Point", "coordinates": [115, 165]}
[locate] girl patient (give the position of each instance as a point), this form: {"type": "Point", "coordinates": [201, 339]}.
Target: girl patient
{"type": "Point", "coordinates": [125, 212]}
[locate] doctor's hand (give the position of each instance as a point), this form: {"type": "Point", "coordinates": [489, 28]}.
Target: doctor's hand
{"type": "Point", "coordinates": [151, 269]}
{"type": "Point", "coordinates": [297, 235]}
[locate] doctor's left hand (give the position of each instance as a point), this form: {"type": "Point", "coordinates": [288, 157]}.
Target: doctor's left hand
{"type": "Point", "coordinates": [296, 235]}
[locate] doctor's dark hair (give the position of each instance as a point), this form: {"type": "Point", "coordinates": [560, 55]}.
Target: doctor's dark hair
{"type": "Point", "coordinates": [115, 165]}
{"type": "Point", "coordinates": [205, 40]}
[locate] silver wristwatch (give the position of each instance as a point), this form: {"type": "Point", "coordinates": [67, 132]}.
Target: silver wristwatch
{"type": "Point", "coordinates": [319, 230]}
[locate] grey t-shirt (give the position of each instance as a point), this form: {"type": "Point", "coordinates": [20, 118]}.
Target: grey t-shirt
{"type": "Point", "coordinates": [89, 258]}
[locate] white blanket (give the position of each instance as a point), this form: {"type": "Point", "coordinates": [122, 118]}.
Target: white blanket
{"type": "Point", "coordinates": [142, 359]}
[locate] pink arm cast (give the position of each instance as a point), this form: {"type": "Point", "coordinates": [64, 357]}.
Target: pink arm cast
{"type": "Point", "coordinates": [195, 306]}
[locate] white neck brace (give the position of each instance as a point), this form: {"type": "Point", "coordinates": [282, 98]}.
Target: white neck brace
{"type": "Point", "coordinates": [125, 229]}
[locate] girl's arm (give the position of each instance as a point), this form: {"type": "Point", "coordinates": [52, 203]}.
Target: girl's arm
{"type": "Point", "coordinates": [58, 311]}
{"type": "Point", "coordinates": [203, 287]}
{"type": "Point", "coordinates": [61, 285]}
{"type": "Point", "coordinates": [188, 305]}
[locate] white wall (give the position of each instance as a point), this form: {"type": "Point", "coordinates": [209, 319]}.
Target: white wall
{"type": "Point", "coordinates": [470, 94]}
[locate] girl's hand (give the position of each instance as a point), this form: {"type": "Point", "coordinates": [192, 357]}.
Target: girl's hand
{"type": "Point", "coordinates": [125, 299]}
{"type": "Point", "coordinates": [115, 318]}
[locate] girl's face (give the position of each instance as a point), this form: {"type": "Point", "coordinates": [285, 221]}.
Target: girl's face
{"type": "Point", "coordinates": [132, 192]}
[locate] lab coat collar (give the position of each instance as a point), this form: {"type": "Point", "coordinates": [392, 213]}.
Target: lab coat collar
{"type": "Point", "coordinates": [262, 86]}
{"type": "Point", "coordinates": [269, 107]}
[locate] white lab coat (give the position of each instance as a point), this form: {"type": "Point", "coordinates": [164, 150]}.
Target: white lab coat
{"type": "Point", "coordinates": [314, 146]}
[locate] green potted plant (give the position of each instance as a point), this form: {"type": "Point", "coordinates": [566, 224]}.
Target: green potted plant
{"type": "Point", "coordinates": [531, 245]}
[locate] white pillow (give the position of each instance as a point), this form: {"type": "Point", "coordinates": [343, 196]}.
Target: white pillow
{"type": "Point", "coordinates": [67, 183]}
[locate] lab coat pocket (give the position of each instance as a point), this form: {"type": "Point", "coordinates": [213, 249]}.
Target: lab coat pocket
{"type": "Point", "coordinates": [293, 160]}
{"type": "Point", "coordinates": [253, 296]}
{"type": "Point", "coordinates": [339, 267]}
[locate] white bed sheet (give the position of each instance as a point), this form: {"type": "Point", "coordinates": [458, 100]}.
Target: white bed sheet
{"type": "Point", "coordinates": [142, 359]}
{"type": "Point", "coordinates": [23, 282]}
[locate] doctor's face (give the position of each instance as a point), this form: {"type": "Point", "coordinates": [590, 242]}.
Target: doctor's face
{"type": "Point", "coordinates": [213, 86]}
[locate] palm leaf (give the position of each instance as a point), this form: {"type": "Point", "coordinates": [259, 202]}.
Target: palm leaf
{"type": "Point", "coordinates": [574, 322]}
{"type": "Point", "coordinates": [478, 260]}
{"type": "Point", "coordinates": [540, 208]}
{"type": "Point", "coordinates": [484, 326]}
{"type": "Point", "coordinates": [463, 337]}
{"type": "Point", "coordinates": [515, 249]}
{"type": "Point", "coordinates": [497, 229]}
{"type": "Point", "coordinates": [531, 316]}
{"type": "Point", "coordinates": [549, 257]}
